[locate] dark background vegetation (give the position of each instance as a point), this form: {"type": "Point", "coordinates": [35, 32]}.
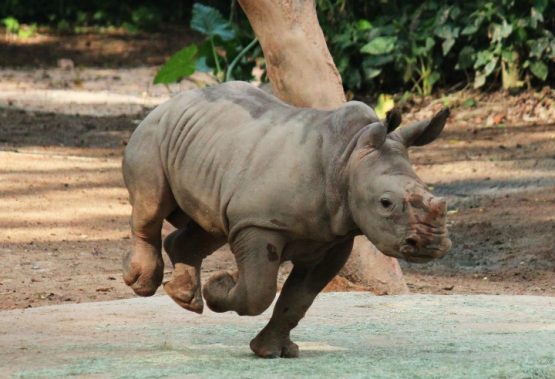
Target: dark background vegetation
{"type": "Point", "coordinates": [380, 46]}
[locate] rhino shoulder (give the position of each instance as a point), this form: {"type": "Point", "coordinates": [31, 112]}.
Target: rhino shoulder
{"type": "Point", "coordinates": [247, 97]}
{"type": "Point", "coordinates": [233, 90]}
{"type": "Point", "coordinates": [352, 116]}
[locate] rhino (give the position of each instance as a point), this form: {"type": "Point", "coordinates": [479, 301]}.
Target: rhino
{"type": "Point", "coordinates": [233, 164]}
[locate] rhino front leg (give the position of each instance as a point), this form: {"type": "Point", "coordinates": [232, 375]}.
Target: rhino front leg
{"type": "Point", "coordinates": [152, 202]}
{"type": "Point", "coordinates": [299, 291]}
{"type": "Point", "coordinates": [187, 248]}
{"type": "Point", "coordinates": [252, 289]}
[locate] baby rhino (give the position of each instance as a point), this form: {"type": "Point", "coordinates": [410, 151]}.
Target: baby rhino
{"type": "Point", "coordinates": [232, 164]}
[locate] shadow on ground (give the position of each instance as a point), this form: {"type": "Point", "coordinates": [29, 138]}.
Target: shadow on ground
{"type": "Point", "coordinates": [91, 134]}
{"type": "Point", "coordinates": [100, 50]}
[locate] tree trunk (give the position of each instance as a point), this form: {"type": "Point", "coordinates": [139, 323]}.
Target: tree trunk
{"type": "Point", "coordinates": [302, 73]}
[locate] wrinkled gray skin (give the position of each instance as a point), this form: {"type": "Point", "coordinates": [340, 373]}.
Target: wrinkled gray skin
{"type": "Point", "coordinates": [233, 164]}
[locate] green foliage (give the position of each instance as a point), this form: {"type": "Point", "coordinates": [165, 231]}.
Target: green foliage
{"type": "Point", "coordinates": [210, 22]}
{"type": "Point", "coordinates": [384, 104]}
{"type": "Point", "coordinates": [380, 46]}
{"type": "Point", "coordinates": [11, 24]}
{"type": "Point", "coordinates": [27, 31]}
{"type": "Point", "coordinates": [389, 45]}
{"type": "Point", "coordinates": [182, 64]}
{"type": "Point", "coordinates": [145, 18]}
{"type": "Point", "coordinates": [223, 51]}
{"type": "Point", "coordinates": [13, 27]}
{"type": "Point", "coordinates": [72, 16]}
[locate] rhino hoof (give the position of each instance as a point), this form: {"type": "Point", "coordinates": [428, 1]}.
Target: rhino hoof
{"type": "Point", "coordinates": [182, 291]}
{"type": "Point", "coordinates": [143, 277]}
{"type": "Point", "coordinates": [268, 348]}
{"type": "Point", "coordinates": [216, 289]}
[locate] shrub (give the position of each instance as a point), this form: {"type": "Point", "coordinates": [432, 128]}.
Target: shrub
{"type": "Point", "coordinates": [391, 46]}
{"type": "Point", "coordinates": [223, 51]}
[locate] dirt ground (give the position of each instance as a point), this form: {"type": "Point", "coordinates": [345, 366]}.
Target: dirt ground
{"type": "Point", "coordinates": [64, 211]}
{"type": "Point", "coordinates": [388, 337]}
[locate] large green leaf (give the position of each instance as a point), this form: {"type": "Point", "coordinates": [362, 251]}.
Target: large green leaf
{"type": "Point", "coordinates": [210, 22]}
{"type": "Point", "coordinates": [501, 31]}
{"type": "Point", "coordinates": [433, 78]}
{"type": "Point", "coordinates": [488, 69]}
{"type": "Point", "coordinates": [371, 73]}
{"type": "Point", "coordinates": [539, 69]}
{"type": "Point", "coordinates": [447, 32]}
{"type": "Point", "coordinates": [363, 25]}
{"type": "Point", "coordinates": [466, 57]}
{"type": "Point", "coordinates": [11, 24]}
{"type": "Point", "coordinates": [482, 58]}
{"type": "Point", "coordinates": [473, 27]}
{"type": "Point", "coordinates": [455, 12]}
{"type": "Point", "coordinates": [536, 16]}
{"type": "Point", "coordinates": [470, 29]}
{"type": "Point", "coordinates": [423, 50]}
{"type": "Point", "coordinates": [538, 46]}
{"type": "Point", "coordinates": [378, 60]}
{"type": "Point", "coordinates": [180, 65]}
{"type": "Point", "coordinates": [379, 45]}
{"type": "Point", "coordinates": [479, 80]}
{"type": "Point", "coordinates": [202, 65]}
{"type": "Point", "coordinates": [447, 45]}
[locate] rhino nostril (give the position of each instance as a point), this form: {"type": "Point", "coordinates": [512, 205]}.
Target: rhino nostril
{"type": "Point", "coordinates": [411, 242]}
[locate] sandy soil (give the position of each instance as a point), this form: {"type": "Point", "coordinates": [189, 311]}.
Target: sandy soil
{"type": "Point", "coordinates": [64, 211]}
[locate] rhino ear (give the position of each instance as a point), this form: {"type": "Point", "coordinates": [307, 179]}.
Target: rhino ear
{"type": "Point", "coordinates": [424, 132]}
{"type": "Point", "coordinates": [373, 135]}
{"type": "Point", "coordinates": [393, 119]}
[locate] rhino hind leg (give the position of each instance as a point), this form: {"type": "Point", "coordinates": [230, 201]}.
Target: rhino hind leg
{"type": "Point", "coordinates": [187, 247]}
{"type": "Point", "coordinates": [250, 290]}
{"type": "Point", "coordinates": [299, 291]}
{"type": "Point", "coordinates": [152, 201]}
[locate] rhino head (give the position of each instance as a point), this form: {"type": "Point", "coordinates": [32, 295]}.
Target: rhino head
{"type": "Point", "coordinates": [387, 200]}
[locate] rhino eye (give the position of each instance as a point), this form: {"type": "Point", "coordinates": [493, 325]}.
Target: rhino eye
{"type": "Point", "coordinates": [386, 203]}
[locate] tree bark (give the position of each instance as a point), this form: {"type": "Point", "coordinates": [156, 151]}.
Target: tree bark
{"type": "Point", "coordinates": [302, 73]}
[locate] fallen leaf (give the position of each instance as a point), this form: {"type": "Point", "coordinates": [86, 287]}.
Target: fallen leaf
{"type": "Point", "coordinates": [498, 118]}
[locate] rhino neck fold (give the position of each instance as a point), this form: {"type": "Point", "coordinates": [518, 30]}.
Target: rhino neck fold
{"type": "Point", "coordinates": [336, 156]}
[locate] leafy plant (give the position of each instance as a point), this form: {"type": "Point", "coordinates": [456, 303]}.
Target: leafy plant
{"type": "Point", "coordinates": [384, 104]}
{"type": "Point", "coordinates": [381, 46]}
{"type": "Point", "coordinates": [11, 24]}
{"type": "Point", "coordinates": [220, 53]}
{"type": "Point", "coordinates": [390, 46]}
{"type": "Point", "coordinates": [27, 31]}
{"type": "Point", "coordinates": [145, 18]}
{"type": "Point", "coordinates": [13, 27]}
{"type": "Point", "coordinates": [181, 65]}
{"type": "Point", "coordinates": [141, 15]}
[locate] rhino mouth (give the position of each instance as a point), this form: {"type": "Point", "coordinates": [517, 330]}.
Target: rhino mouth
{"type": "Point", "coordinates": [418, 259]}
{"type": "Point", "coordinates": [414, 254]}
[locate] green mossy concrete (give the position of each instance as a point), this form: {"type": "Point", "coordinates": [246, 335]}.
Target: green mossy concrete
{"type": "Point", "coordinates": [353, 335]}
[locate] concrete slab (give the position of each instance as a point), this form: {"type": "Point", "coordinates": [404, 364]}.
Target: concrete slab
{"type": "Point", "coordinates": [344, 335]}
